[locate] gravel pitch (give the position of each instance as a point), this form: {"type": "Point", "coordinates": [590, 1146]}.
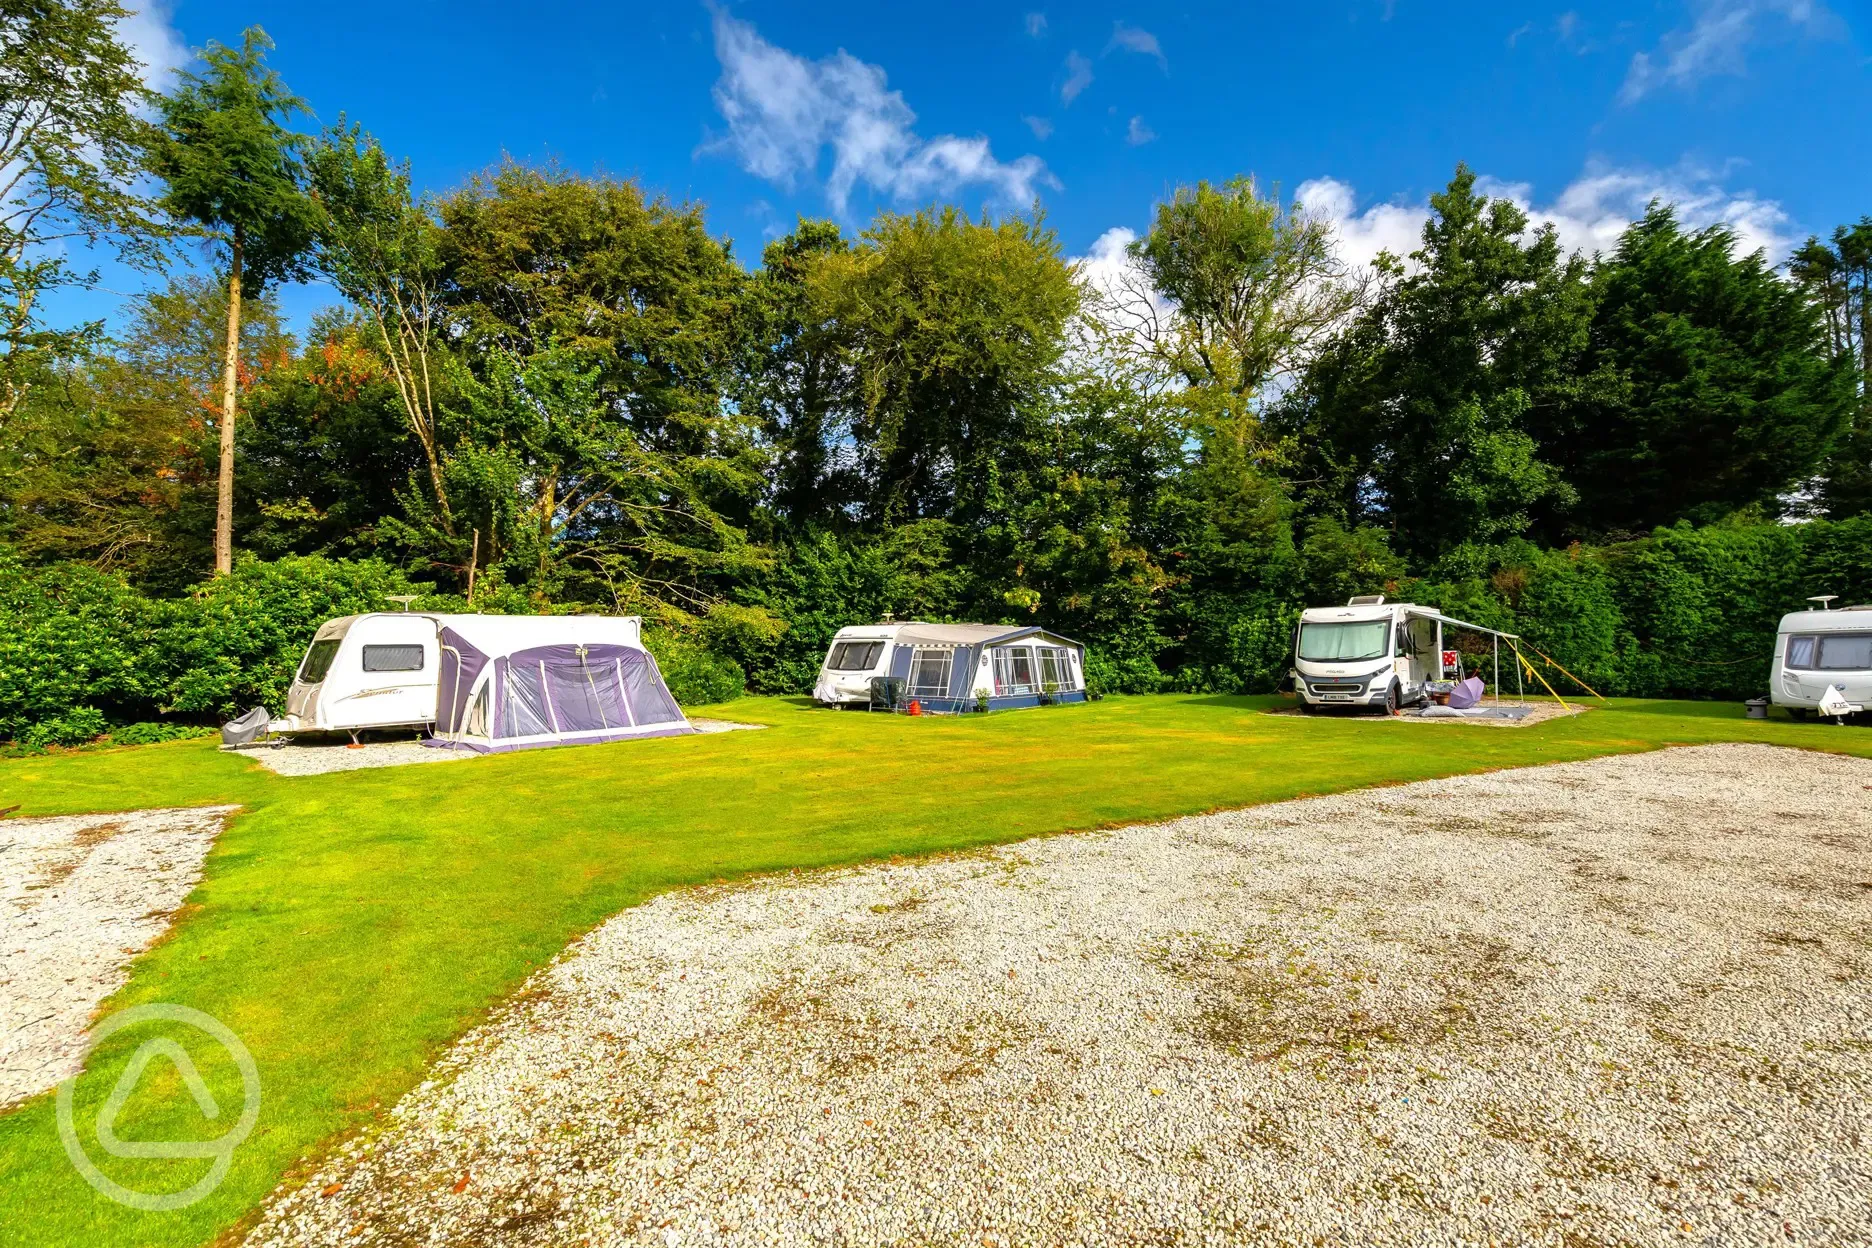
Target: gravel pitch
{"type": "Point", "coordinates": [316, 758]}
{"type": "Point", "coordinates": [1616, 1002]}
{"type": "Point", "coordinates": [80, 896]}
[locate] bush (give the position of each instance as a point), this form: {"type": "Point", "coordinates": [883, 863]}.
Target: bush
{"type": "Point", "coordinates": [80, 725]}
{"type": "Point", "coordinates": [695, 675]}
{"type": "Point", "coordinates": [237, 640]}
{"type": "Point", "coordinates": [70, 636]}
{"type": "Point", "coordinates": [155, 734]}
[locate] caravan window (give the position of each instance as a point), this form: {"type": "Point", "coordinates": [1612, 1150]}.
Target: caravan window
{"type": "Point", "coordinates": [318, 661]}
{"type": "Point", "coordinates": [854, 656]}
{"type": "Point", "coordinates": [1831, 652]}
{"type": "Point", "coordinates": [929, 673]}
{"type": "Point", "coordinates": [1351, 642]}
{"type": "Point", "coordinates": [393, 658]}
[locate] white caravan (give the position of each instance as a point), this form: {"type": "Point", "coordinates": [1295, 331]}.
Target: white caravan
{"type": "Point", "coordinates": [488, 683]}
{"type": "Point", "coordinates": [952, 668]}
{"type": "Point", "coordinates": [1372, 653]}
{"type": "Point", "coordinates": [366, 671]}
{"type": "Point", "coordinates": [1818, 651]}
{"type": "Point", "coordinates": [854, 657]}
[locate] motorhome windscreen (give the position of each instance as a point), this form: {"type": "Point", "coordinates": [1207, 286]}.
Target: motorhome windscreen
{"type": "Point", "coordinates": [854, 656]}
{"type": "Point", "coordinates": [1350, 641]}
{"type": "Point", "coordinates": [318, 661]}
{"type": "Point", "coordinates": [1831, 652]}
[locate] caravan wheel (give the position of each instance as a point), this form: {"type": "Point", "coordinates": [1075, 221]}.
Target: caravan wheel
{"type": "Point", "coordinates": [1391, 698]}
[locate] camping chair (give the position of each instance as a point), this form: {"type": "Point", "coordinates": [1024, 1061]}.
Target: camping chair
{"type": "Point", "coordinates": [887, 693]}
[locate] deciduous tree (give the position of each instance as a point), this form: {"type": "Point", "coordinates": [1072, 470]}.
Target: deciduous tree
{"type": "Point", "coordinates": [71, 148]}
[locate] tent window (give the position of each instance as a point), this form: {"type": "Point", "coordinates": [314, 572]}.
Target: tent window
{"type": "Point", "coordinates": [854, 656]}
{"type": "Point", "coordinates": [393, 658]}
{"type": "Point", "coordinates": [929, 673]}
{"type": "Point", "coordinates": [318, 661]}
{"type": "Point", "coordinates": [1056, 671]}
{"type": "Point", "coordinates": [1014, 671]}
{"type": "Point", "coordinates": [477, 725]}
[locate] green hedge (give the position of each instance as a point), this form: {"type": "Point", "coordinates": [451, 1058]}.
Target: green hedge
{"type": "Point", "coordinates": [1684, 613]}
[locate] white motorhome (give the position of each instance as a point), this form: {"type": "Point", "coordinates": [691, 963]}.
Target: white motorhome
{"type": "Point", "coordinates": [1816, 651]}
{"type": "Point", "coordinates": [1372, 653]}
{"type": "Point", "coordinates": [488, 683]}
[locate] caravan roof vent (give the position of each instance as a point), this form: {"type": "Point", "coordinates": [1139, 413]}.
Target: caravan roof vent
{"type": "Point", "coordinates": [1366, 600]}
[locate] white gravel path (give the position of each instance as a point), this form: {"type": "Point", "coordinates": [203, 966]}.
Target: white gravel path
{"type": "Point", "coordinates": [316, 758]}
{"type": "Point", "coordinates": [80, 896]}
{"type": "Point", "coordinates": [1616, 1002]}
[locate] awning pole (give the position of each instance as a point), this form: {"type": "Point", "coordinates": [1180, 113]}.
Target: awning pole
{"type": "Point", "coordinates": [1497, 671]}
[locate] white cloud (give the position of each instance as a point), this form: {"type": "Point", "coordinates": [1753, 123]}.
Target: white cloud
{"type": "Point", "coordinates": [1588, 215]}
{"type": "Point", "coordinates": [1137, 133]}
{"type": "Point", "coordinates": [1121, 300]}
{"type": "Point", "coordinates": [1132, 39]}
{"type": "Point", "coordinates": [1036, 24]}
{"type": "Point", "coordinates": [1108, 270]}
{"type": "Point", "coordinates": [1078, 77]}
{"type": "Point", "coordinates": [1715, 42]}
{"type": "Point", "coordinates": [1362, 235]}
{"type": "Point", "coordinates": [1042, 127]}
{"type": "Point", "coordinates": [783, 111]}
{"type": "Point", "coordinates": [147, 30]}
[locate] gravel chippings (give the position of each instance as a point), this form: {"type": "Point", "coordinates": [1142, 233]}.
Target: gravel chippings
{"type": "Point", "coordinates": [1616, 1002]}
{"type": "Point", "coordinates": [315, 758]}
{"type": "Point", "coordinates": [80, 896]}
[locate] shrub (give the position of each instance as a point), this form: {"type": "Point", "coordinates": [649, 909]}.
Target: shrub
{"type": "Point", "coordinates": [154, 733]}
{"type": "Point", "coordinates": [695, 675]}
{"type": "Point", "coordinates": [79, 725]}
{"type": "Point", "coordinates": [236, 642]}
{"type": "Point", "coordinates": [70, 636]}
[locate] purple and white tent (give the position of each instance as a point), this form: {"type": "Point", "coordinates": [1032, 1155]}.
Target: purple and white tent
{"type": "Point", "coordinates": [519, 682]}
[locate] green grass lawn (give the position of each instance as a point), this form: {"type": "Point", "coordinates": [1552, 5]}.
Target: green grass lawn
{"type": "Point", "coordinates": [349, 926]}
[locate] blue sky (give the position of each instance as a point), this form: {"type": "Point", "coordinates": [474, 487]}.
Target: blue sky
{"type": "Point", "coordinates": [1750, 111]}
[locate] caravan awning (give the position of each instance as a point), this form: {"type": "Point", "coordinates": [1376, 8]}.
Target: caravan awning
{"type": "Point", "coordinates": [1426, 613]}
{"type": "Point", "coordinates": [970, 634]}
